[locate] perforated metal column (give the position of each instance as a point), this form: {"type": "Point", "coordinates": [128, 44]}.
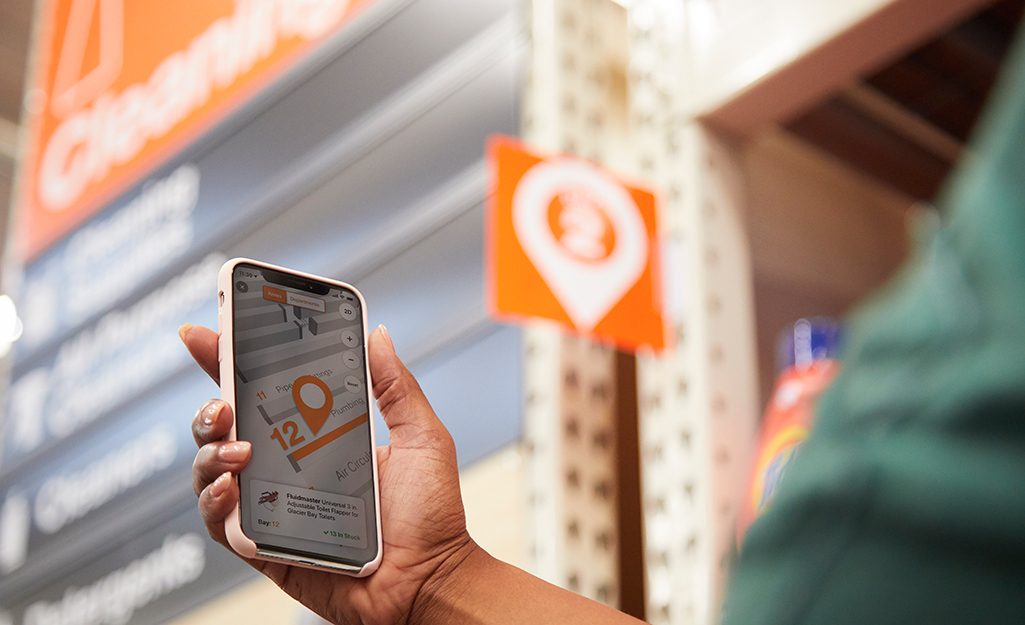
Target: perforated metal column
{"type": "Point", "coordinates": [576, 78]}
{"type": "Point", "coordinates": [612, 92]}
{"type": "Point", "coordinates": [698, 402]}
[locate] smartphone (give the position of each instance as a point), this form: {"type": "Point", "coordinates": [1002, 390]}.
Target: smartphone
{"type": "Point", "coordinates": [293, 364]}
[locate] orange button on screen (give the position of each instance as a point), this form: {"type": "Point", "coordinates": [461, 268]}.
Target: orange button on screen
{"type": "Point", "coordinates": [274, 295]}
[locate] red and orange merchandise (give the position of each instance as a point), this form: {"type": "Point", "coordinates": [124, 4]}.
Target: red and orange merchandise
{"type": "Point", "coordinates": [807, 358]}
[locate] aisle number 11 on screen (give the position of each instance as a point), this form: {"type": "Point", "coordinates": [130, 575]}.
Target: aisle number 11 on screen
{"type": "Point", "coordinates": [568, 241]}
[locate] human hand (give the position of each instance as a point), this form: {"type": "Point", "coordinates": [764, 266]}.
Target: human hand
{"type": "Point", "coordinates": [423, 524]}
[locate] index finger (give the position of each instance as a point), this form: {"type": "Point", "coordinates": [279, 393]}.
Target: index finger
{"type": "Point", "coordinates": [202, 344]}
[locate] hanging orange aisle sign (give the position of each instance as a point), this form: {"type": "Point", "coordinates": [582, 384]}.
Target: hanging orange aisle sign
{"type": "Point", "coordinates": [123, 84]}
{"type": "Point", "coordinates": [567, 241]}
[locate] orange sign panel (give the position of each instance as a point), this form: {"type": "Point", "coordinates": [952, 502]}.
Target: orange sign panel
{"type": "Point", "coordinates": [122, 84]}
{"type": "Point", "coordinates": [567, 241]}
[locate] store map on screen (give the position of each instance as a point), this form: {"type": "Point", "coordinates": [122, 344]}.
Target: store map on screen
{"type": "Point", "coordinates": [301, 395]}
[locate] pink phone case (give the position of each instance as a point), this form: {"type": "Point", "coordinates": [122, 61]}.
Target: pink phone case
{"type": "Point", "coordinates": [241, 543]}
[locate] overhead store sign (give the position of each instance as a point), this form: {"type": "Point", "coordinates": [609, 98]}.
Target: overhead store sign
{"type": "Point", "coordinates": [142, 579]}
{"type": "Point", "coordinates": [570, 242]}
{"type": "Point", "coordinates": [130, 467]}
{"type": "Point", "coordinates": [124, 84]}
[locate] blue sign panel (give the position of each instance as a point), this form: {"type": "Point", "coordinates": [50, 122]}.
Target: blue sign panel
{"type": "Point", "coordinates": [117, 476]}
{"type": "Point", "coordinates": [143, 580]}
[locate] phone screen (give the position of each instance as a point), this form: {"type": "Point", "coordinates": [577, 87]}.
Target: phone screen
{"type": "Point", "coordinates": [302, 400]}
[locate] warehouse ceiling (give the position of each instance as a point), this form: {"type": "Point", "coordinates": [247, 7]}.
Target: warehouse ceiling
{"type": "Point", "coordinates": [15, 28]}
{"type": "Point", "coordinates": [906, 124]}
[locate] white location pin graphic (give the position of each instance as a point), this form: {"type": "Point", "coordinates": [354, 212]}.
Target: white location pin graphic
{"type": "Point", "coordinates": [587, 279]}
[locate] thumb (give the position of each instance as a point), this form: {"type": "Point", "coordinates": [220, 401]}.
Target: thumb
{"type": "Point", "coordinates": [410, 419]}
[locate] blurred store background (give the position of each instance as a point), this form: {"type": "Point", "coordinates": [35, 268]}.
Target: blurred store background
{"type": "Point", "coordinates": [795, 146]}
{"type": "Point", "coordinates": [15, 31]}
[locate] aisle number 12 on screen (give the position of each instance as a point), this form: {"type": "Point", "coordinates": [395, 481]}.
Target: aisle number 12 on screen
{"type": "Point", "coordinates": [568, 241]}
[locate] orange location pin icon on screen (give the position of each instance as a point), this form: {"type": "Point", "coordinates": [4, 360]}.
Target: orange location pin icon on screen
{"type": "Point", "coordinates": [314, 417]}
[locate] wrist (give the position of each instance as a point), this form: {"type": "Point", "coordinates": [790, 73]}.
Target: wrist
{"type": "Point", "coordinates": [439, 595]}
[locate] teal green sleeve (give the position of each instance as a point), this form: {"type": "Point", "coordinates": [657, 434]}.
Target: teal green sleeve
{"type": "Point", "coordinates": [907, 503]}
